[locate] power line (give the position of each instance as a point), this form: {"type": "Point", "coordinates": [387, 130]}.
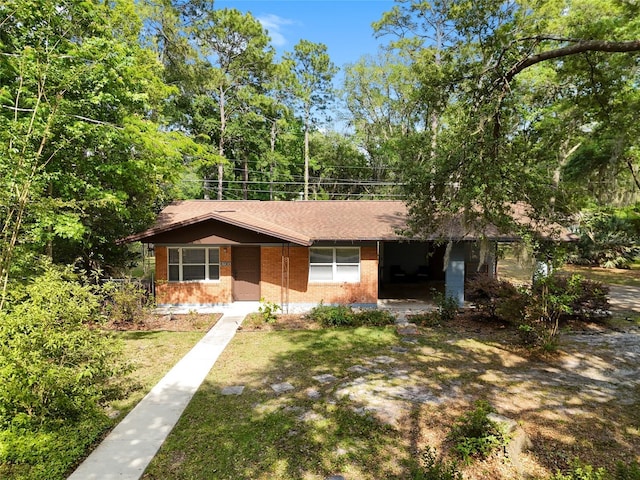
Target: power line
{"type": "Point", "coordinates": [314, 180]}
{"type": "Point", "coordinates": [341, 194]}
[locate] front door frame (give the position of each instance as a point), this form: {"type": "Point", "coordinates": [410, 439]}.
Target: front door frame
{"type": "Point", "coordinates": [246, 277]}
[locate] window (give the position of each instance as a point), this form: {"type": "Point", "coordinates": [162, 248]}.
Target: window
{"type": "Point", "coordinates": [340, 264]}
{"type": "Point", "coordinates": [189, 264]}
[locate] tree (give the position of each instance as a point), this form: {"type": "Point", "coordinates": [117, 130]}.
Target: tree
{"type": "Point", "coordinates": [82, 157]}
{"type": "Point", "coordinates": [509, 73]}
{"type": "Point", "coordinates": [380, 94]}
{"type": "Point", "coordinates": [341, 168]}
{"type": "Point", "coordinates": [314, 72]}
{"type": "Point", "coordinates": [237, 60]}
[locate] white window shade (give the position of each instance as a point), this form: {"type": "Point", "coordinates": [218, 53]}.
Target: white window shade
{"type": "Point", "coordinates": [193, 264]}
{"type": "Point", "coordinates": [334, 264]}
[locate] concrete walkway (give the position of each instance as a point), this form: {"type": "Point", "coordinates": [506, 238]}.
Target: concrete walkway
{"type": "Point", "coordinates": [127, 450]}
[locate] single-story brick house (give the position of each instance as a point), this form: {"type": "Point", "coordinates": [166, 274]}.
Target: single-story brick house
{"type": "Point", "coordinates": [300, 253]}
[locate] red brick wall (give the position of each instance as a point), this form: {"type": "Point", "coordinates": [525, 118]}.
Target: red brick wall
{"type": "Point", "coordinates": [301, 291]}
{"type": "Point", "coordinates": [194, 293]}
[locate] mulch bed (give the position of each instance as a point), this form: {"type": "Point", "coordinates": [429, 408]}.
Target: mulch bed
{"type": "Point", "coordinates": [190, 322]}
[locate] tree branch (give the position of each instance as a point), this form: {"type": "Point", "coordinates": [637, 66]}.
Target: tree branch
{"type": "Point", "coordinates": [578, 47]}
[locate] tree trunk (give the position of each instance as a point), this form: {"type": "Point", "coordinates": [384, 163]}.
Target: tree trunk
{"type": "Point", "coordinates": [223, 128]}
{"type": "Point", "coordinates": [272, 141]}
{"type": "Point", "coordinates": [306, 161]}
{"type": "Point", "coordinates": [245, 179]}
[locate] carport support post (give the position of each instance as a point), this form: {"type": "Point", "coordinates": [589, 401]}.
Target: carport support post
{"type": "Point", "coordinates": [454, 274]}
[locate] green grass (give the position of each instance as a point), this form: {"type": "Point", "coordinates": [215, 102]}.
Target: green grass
{"type": "Point", "coordinates": [614, 276]}
{"type": "Point", "coordinates": [520, 271]}
{"type": "Point", "coordinates": [262, 435]}
{"type": "Point", "coordinates": [153, 354]}
{"type": "Point", "coordinates": [259, 435]}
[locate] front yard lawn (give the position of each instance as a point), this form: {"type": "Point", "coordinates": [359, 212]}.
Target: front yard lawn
{"type": "Point", "coordinates": [153, 353]}
{"type": "Point", "coordinates": [364, 402]}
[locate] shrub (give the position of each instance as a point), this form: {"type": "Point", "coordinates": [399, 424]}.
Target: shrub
{"type": "Point", "coordinates": [608, 238]}
{"type": "Point", "coordinates": [22, 450]}
{"type": "Point", "coordinates": [498, 299]}
{"type": "Point", "coordinates": [268, 311]}
{"type": "Point", "coordinates": [582, 472]}
{"type": "Point", "coordinates": [528, 334]}
{"type": "Point", "coordinates": [475, 435]}
{"type": "Point", "coordinates": [433, 468]}
{"type": "Point", "coordinates": [426, 319]}
{"type": "Point", "coordinates": [332, 315]}
{"type": "Point", "coordinates": [572, 296]}
{"type": "Point", "coordinates": [344, 316]}
{"type": "Point", "coordinates": [627, 471]}
{"type": "Point", "coordinates": [53, 365]}
{"type": "Point", "coordinates": [373, 318]}
{"type": "Point", "coordinates": [56, 371]}
{"type": "Point", "coordinates": [446, 307]}
{"type": "Point", "coordinates": [125, 302]}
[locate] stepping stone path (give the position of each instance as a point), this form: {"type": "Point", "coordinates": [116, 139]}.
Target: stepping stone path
{"type": "Point", "coordinates": [282, 387]}
{"type": "Point", "coordinates": [358, 369]}
{"type": "Point", "coordinates": [234, 390]}
{"type": "Point", "coordinates": [376, 396]}
{"type": "Point", "coordinates": [384, 359]}
{"type": "Point", "coordinates": [326, 378]}
{"type": "Point", "coordinates": [395, 349]}
{"type": "Point", "coordinates": [408, 329]}
{"type": "Point", "coordinates": [409, 340]}
{"type": "Point", "coordinates": [313, 394]}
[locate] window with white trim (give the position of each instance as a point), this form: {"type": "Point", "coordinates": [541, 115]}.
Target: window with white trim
{"type": "Point", "coordinates": [334, 264]}
{"type": "Point", "coordinates": [193, 264]}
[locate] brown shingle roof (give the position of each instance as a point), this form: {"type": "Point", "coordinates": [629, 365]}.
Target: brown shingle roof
{"type": "Point", "coordinates": [299, 222]}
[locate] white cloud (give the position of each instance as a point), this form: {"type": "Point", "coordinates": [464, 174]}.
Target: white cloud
{"type": "Point", "coordinates": [274, 24]}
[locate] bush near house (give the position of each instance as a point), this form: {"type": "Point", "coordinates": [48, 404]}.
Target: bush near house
{"type": "Point", "coordinates": [344, 316]}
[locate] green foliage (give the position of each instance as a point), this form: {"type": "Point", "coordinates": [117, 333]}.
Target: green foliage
{"type": "Point", "coordinates": [84, 160]}
{"type": "Point", "coordinates": [55, 367]}
{"type": "Point", "coordinates": [475, 435]}
{"type": "Point", "coordinates": [344, 316]}
{"type": "Point", "coordinates": [433, 468]}
{"type": "Point", "coordinates": [626, 471]}
{"type": "Point", "coordinates": [529, 335]}
{"type": "Point", "coordinates": [556, 297]}
{"type": "Point", "coordinates": [22, 450]}
{"type": "Point", "coordinates": [268, 311]}
{"type": "Point", "coordinates": [538, 311]}
{"type": "Point", "coordinates": [373, 318]}
{"type": "Point", "coordinates": [426, 319]}
{"type": "Point", "coordinates": [446, 307]}
{"type": "Point", "coordinates": [504, 96]}
{"type": "Point", "coordinates": [331, 315]}
{"type": "Point", "coordinates": [582, 472]}
{"type": "Point", "coordinates": [125, 302]}
{"type": "Point", "coordinates": [497, 299]}
{"type": "Point", "coordinates": [608, 238]}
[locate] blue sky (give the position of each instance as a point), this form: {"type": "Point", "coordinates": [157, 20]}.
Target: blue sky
{"type": "Point", "coordinates": [343, 25]}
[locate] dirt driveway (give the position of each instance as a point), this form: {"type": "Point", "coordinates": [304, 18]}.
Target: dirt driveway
{"type": "Point", "coordinates": [581, 402]}
{"type": "Point", "coordinates": [624, 298]}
